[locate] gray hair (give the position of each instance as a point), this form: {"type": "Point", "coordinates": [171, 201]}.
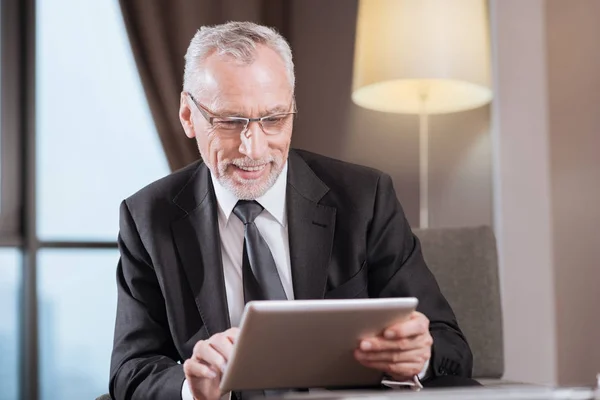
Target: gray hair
{"type": "Point", "coordinates": [237, 39]}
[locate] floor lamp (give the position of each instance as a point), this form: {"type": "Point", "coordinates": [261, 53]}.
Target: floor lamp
{"type": "Point", "coordinates": [422, 57]}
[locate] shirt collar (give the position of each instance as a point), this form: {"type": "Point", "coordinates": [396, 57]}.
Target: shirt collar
{"type": "Point", "coordinates": [273, 200]}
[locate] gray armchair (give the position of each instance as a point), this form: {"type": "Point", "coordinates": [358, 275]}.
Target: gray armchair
{"type": "Point", "coordinates": [465, 264]}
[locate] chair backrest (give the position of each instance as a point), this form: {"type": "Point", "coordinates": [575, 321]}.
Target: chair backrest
{"type": "Point", "coordinates": [465, 264]}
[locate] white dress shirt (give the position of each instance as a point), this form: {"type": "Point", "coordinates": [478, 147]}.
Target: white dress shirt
{"type": "Point", "coordinates": [272, 225]}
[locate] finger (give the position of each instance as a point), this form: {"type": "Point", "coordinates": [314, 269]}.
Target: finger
{"type": "Point", "coordinates": [203, 382]}
{"type": "Point", "coordinates": [196, 370]}
{"type": "Point", "coordinates": [378, 344]}
{"type": "Point", "coordinates": [205, 353]}
{"type": "Point", "coordinates": [399, 371]}
{"type": "Point", "coordinates": [417, 324]}
{"type": "Point", "coordinates": [232, 334]}
{"type": "Point", "coordinates": [223, 345]}
{"type": "Point", "coordinates": [416, 356]}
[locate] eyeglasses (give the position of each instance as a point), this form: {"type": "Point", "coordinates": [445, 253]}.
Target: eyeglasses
{"type": "Point", "coordinates": [270, 124]}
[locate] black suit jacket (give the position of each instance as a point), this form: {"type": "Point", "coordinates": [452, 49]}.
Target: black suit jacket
{"type": "Point", "coordinates": [348, 238]}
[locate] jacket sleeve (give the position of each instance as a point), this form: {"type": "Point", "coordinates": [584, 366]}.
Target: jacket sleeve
{"type": "Point", "coordinates": [397, 269]}
{"type": "Point", "coordinates": [143, 363]}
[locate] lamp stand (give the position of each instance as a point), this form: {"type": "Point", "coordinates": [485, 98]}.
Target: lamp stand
{"type": "Point", "coordinates": [423, 163]}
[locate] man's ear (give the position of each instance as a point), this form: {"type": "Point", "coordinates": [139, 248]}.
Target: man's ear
{"type": "Point", "coordinates": [185, 116]}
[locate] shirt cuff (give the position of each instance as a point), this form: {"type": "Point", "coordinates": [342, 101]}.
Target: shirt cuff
{"type": "Point", "coordinates": [186, 393]}
{"type": "Point", "coordinates": [415, 382]}
{"type": "Point", "coordinates": [425, 371]}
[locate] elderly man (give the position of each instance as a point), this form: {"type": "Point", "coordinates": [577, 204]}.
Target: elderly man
{"type": "Point", "coordinates": [256, 220]}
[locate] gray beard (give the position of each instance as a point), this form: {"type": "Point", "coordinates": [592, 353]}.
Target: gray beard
{"type": "Point", "coordinates": [248, 189]}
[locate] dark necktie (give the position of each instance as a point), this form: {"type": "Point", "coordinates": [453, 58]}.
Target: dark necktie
{"type": "Point", "coordinates": [261, 279]}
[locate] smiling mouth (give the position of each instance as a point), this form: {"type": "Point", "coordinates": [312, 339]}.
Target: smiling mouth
{"type": "Point", "coordinates": [251, 172]}
{"type": "Point", "coordinates": [251, 169]}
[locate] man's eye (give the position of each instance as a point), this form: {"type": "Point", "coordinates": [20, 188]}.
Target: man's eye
{"type": "Point", "coordinates": [275, 120]}
{"type": "Point", "coordinates": [228, 124]}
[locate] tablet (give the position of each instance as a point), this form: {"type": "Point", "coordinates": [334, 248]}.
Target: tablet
{"type": "Point", "coordinates": [308, 343]}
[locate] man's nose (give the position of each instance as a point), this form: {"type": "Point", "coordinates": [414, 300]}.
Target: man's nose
{"type": "Point", "coordinates": [254, 141]}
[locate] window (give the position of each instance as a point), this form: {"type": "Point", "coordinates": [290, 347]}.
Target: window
{"type": "Point", "coordinates": [10, 256]}
{"type": "Point", "coordinates": [9, 326]}
{"type": "Point", "coordinates": [95, 144]}
{"type": "Point", "coordinates": [77, 299]}
{"type": "Point", "coordinates": [95, 137]}
{"type": "Point", "coordinates": [77, 135]}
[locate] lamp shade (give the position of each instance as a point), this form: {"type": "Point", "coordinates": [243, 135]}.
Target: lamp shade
{"type": "Point", "coordinates": [412, 54]}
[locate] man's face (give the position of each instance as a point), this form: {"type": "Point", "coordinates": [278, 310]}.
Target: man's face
{"type": "Point", "coordinates": [249, 163]}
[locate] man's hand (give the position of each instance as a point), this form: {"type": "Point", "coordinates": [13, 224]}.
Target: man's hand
{"type": "Point", "coordinates": [402, 350]}
{"type": "Point", "coordinates": [204, 369]}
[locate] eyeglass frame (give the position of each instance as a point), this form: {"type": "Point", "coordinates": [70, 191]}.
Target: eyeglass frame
{"type": "Point", "coordinates": [210, 116]}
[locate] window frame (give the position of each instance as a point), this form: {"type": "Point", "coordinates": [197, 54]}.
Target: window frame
{"type": "Point", "coordinates": [18, 211]}
{"type": "Point", "coordinates": [11, 159]}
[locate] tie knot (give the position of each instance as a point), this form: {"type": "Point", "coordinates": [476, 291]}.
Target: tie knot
{"type": "Point", "coordinates": [247, 210]}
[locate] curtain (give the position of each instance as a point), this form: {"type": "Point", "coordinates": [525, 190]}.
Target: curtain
{"type": "Point", "coordinates": [160, 31]}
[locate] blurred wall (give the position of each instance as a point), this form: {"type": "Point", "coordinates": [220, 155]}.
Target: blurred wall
{"type": "Point", "coordinates": [522, 208]}
{"type": "Point", "coordinates": [573, 54]}
{"type": "Point", "coordinates": [322, 39]}
{"type": "Point", "coordinates": [546, 147]}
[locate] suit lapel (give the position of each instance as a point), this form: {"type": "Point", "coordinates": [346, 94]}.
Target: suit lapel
{"type": "Point", "coordinates": [198, 243]}
{"type": "Point", "coordinates": [311, 228]}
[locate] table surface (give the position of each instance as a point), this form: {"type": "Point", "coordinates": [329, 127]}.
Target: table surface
{"type": "Point", "coordinates": [485, 393]}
